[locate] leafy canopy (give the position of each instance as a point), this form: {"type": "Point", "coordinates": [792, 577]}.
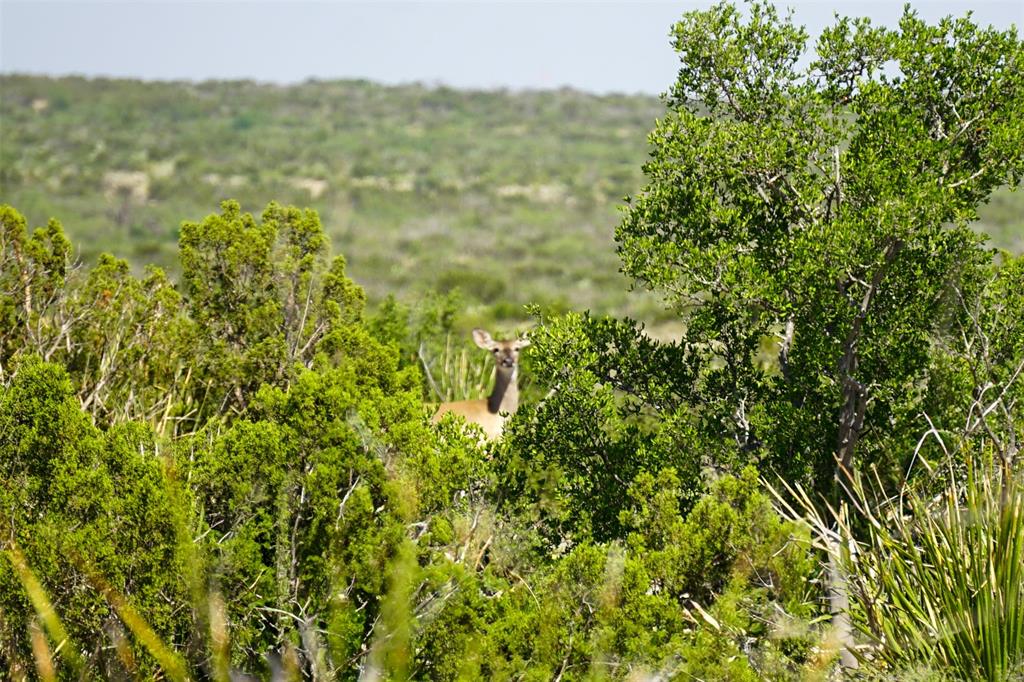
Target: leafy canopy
{"type": "Point", "coordinates": [805, 217]}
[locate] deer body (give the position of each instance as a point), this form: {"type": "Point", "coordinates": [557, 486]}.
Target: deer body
{"type": "Point", "coordinates": [491, 413]}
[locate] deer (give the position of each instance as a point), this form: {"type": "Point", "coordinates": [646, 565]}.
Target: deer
{"type": "Point", "coordinates": [491, 413]}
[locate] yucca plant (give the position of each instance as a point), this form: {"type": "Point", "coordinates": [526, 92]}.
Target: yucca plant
{"type": "Point", "coordinates": [458, 374]}
{"type": "Point", "coordinates": [933, 580]}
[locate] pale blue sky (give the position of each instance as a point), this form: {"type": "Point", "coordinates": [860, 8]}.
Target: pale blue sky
{"type": "Point", "coordinates": [595, 46]}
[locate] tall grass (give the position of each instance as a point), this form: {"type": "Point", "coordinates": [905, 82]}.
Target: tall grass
{"type": "Point", "coordinates": [47, 617]}
{"type": "Point", "coordinates": [388, 656]}
{"type": "Point", "coordinates": [47, 627]}
{"type": "Point", "coordinates": [935, 580]}
{"type": "Point", "coordinates": [172, 664]}
{"type": "Point", "coordinates": [457, 373]}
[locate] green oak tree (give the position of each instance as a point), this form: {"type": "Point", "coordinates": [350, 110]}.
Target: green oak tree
{"type": "Point", "coordinates": [826, 206]}
{"type": "Point", "coordinates": [806, 216]}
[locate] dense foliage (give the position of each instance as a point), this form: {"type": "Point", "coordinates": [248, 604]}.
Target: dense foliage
{"type": "Point", "coordinates": [231, 470]}
{"type": "Point", "coordinates": [286, 496]}
{"type": "Point", "coordinates": [808, 224]}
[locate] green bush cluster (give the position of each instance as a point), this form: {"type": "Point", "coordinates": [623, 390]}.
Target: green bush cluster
{"type": "Point", "coordinates": [246, 465]}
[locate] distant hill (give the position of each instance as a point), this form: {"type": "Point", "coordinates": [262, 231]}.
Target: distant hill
{"type": "Point", "coordinates": [510, 196]}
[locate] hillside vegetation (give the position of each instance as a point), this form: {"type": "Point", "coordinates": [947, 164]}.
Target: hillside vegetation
{"type": "Point", "coordinates": [512, 197]}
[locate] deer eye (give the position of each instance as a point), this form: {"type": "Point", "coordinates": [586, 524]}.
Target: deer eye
{"type": "Point", "coordinates": [495, 351]}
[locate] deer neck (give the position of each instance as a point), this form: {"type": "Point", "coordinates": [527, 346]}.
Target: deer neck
{"type": "Point", "coordinates": [505, 396]}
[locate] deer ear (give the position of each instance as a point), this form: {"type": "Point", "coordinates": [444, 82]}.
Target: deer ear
{"type": "Point", "coordinates": [483, 339]}
{"type": "Point", "coordinates": [523, 341]}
